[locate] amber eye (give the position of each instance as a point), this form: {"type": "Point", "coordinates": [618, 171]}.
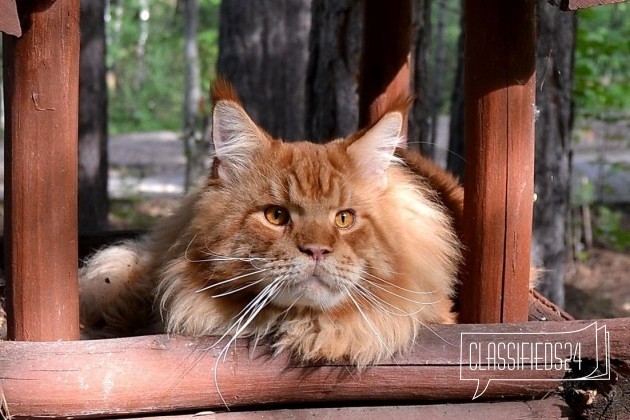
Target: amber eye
{"type": "Point", "coordinates": [277, 215]}
{"type": "Point", "coordinates": [344, 219]}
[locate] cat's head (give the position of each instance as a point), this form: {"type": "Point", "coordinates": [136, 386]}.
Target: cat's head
{"type": "Point", "coordinates": [315, 225]}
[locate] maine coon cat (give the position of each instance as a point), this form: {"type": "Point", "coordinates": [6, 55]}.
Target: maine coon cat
{"type": "Point", "coordinates": [337, 252]}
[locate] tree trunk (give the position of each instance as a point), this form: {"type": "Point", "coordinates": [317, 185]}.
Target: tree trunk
{"type": "Point", "coordinates": [141, 45]}
{"type": "Point", "coordinates": [455, 156]}
{"type": "Point", "coordinates": [333, 69]}
{"type": "Point", "coordinates": [194, 146]}
{"type": "Point", "coordinates": [93, 205]}
{"type": "Point", "coordinates": [263, 51]}
{"type": "Point", "coordinates": [554, 68]}
{"type": "Point", "coordinates": [419, 134]}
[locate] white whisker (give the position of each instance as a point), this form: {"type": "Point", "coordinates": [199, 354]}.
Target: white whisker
{"type": "Point", "coordinates": [285, 313]}
{"type": "Point", "coordinates": [399, 296]}
{"type": "Point", "coordinates": [381, 269]}
{"type": "Point", "coordinates": [250, 311]}
{"type": "Point", "coordinates": [219, 257]}
{"type": "Point", "coordinates": [367, 321]}
{"type": "Point", "coordinates": [416, 292]}
{"type": "Point", "coordinates": [380, 303]}
{"type": "Point", "coordinates": [265, 295]}
{"type": "Point", "coordinates": [231, 279]}
{"type": "Point", "coordinates": [232, 291]}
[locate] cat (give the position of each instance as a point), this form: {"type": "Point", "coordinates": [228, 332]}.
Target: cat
{"type": "Point", "coordinates": [338, 252]}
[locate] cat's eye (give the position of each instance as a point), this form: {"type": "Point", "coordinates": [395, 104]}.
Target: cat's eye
{"type": "Point", "coordinates": [344, 219]}
{"type": "Point", "coordinates": [277, 215]}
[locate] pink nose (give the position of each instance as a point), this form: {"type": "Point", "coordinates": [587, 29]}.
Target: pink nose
{"type": "Point", "coordinates": [315, 251]}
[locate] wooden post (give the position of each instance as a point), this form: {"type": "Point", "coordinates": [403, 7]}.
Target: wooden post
{"type": "Point", "coordinates": [41, 78]}
{"type": "Point", "coordinates": [385, 61]}
{"type": "Point", "coordinates": [499, 106]}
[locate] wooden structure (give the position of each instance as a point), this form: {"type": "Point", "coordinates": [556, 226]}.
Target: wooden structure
{"type": "Point", "coordinates": [499, 183]}
{"type": "Point", "coordinates": [164, 374]}
{"type": "Point", "coordinates": [41, 172]}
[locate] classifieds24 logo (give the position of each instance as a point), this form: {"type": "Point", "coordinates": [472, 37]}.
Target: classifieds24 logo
{"type": "Point", "coordinates": [534, 356]}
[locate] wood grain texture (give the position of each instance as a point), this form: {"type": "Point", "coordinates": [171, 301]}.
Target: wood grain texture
{"type": "Point", "coordinates": [542, 309]}
{"type": "Point", "coordinates": [499, 105]}
{"type": "Point", "coordinates": [384, 75]}
{"type": "Point", "coordinates": [41, 79]}
{"type": "Point", "coordinates": [163, 374]}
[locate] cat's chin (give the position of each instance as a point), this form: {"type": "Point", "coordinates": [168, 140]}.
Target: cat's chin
{"type": "Point", "coordinates": [311, 292]}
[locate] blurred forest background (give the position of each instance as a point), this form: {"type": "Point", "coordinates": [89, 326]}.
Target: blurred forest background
{"type": "Point", "coordinates": [147, 66]}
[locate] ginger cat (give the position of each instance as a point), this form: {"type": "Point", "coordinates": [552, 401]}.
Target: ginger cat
{"type": "Point", "coordinates": [337, 252]}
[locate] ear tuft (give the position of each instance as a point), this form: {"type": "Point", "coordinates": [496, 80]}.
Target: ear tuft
{"type": "Point", "coordinates": [222, 90]}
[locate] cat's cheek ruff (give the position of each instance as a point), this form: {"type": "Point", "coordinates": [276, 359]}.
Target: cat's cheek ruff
{"type": "Point", "coordinates": [187, 312]}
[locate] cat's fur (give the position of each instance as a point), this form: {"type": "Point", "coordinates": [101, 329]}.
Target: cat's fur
{"type": "Point", "coordinates": [359, 293]}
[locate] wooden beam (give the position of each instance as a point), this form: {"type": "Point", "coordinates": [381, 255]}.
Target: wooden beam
{"type": "Point", "coordinates": [385, 61]}
{"type": "Point", "coordinates": [499, 106]}
{"type": "Point", "coordinates": [170, 373]}
{"type": "Point", "coordinates": [41, 80]}
{"type": "Point", "coordinates": [9, 20]}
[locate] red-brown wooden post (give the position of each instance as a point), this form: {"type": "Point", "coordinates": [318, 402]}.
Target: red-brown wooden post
{"type": "Point", "coordinates": [385, 61]}
{"type": "Point", "coordinates": [499, 105]}
{"type": "Point", "coordinates": [41, 95]}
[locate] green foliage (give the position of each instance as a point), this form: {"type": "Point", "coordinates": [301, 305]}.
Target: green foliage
{"type": "Point", "coordinates": [610, 230]}
{"type": "Point", "coordinates": [443, 52]}
{"type": "Point", "coordinates": [208, 41]}
{"type": "Point", "coordinates": [146, 84]}
{"type": "Point", "coordinates": [128, 211]}
{"type": "Point", "coordinates": [602, 68]}
{"type": "Point", "coordinates": [584, 194]}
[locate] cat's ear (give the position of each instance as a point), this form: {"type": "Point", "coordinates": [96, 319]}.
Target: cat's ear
{"type": "Point", "coordinates": [373, 153]}
{"type": "Point", "coordinates": [236, 139]}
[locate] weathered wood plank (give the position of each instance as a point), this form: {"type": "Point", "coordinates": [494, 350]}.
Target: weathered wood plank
{"type": "Point", "coordinates": [542, 309]}
{"type": "Point", "coordinates": [500, 84]}
{"type": "Point", "coordinates": [41, 79]}
{"type": "Point", "coordinates": [163, 374]}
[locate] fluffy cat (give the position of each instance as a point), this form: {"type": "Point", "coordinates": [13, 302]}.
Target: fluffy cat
{"type": "Point", "coordinates": [337, 252]}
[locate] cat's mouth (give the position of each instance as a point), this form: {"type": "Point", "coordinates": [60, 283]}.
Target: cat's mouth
{"type": "Point", "coordinates": [314, 281]}
{"type": "Point", "coordinates": [313, 290]}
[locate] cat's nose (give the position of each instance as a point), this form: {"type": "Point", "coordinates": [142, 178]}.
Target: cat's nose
{"type": "Point", "coordinates": [315, 251]}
